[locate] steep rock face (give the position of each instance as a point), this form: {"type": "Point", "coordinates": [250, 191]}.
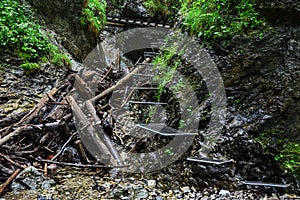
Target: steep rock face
{"type": "Point", "coordinates": [64, 18]}
{"type": "Point", "coordinates": [280, 12]}
{"type": "Point", "coordinates": [265, 77]}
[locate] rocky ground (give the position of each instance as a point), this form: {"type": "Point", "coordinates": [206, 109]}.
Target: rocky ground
{"type": "Point", "coordinates": [262, 84]}
{"type": "Point", "coordinates": [83, 184]}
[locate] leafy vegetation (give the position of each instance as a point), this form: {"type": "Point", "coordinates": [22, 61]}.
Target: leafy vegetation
{"type": "Point", "coordinates": [219, 19]}
{"type": "Point", "coordinates": [168, 63]}
{"type": "Point", "coordinates": [30, 67]}
{"type": "Point", "coordinates": [163, 8]}
{"type": "Point", "coordinates": [288, 152]}
{"type": "Point", "coordinates": [61, 60]}
{"type": "Point", "coordinates": [210, 19]}
{"type": "Point", "coordinates": [289, 157]}
{"type": "Point", "coordinates": [94, 15]}
{"type": "Point", "coordinates": [21, 35]}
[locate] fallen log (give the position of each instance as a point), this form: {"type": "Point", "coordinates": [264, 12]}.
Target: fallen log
{"type": "Point", "coordinates": [89, 132]}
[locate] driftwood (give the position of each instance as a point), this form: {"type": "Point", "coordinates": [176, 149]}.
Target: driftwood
{"type": "Point", "coordinates": [26, 119]}
{"type": "Point", "coordinates": [12, 162]}
{"type": "Point", "coordinates": [64, 146]}
{"type": "Point", "coordinates": [118, 84]}
{"type": "Point", "coordinates": [8, 181]}
{"type": "Point", "coordinates": [89, 131]}
{"type": "Point", "coordinates": [48, 128]}
{"type": "Point", "coordinates": [104, 137]}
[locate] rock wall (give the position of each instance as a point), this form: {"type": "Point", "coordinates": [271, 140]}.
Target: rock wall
{"type": "Point", "coordinates": [280, 12]}
{"type": "Point", "coordinates": [263, 75]}
{"type": "Point", "coordinates": [63, 16]}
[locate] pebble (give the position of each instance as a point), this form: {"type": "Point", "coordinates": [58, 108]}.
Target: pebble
{"type": "Point", "coordinates": [151, 183]}
{"type": "Point", "coordinates": [224, 193]}
{"type": "Point", "coordinates": [185, 189]}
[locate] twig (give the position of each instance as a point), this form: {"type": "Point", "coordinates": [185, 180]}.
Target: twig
{"type": "Point", "coordinates": [57, 103]}
{"type": "Point", "coordinates": [12, 134]}
{"type": "Point", "coordinates": [64, 146]}
{"type": "Point", "coordinates": [118, 60]}
{"type": "Point", "coordinates": [119, 83]}
{"type": "Point", "coordinates": [12, 162]}
{"type": "Point", "coordinates": [106, 74]}
{"type": "Point", "coordinates": [8, 181]}
{"type": "Point", "coordinates": [78, 165]}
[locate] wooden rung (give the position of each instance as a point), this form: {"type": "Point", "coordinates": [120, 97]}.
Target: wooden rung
{"type": "Point", "coordinates": [209, 161]}
{"type": "Point", "coordinates": [254, 183]}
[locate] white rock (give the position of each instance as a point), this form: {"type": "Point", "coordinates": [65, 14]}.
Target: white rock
{"type": "Point", "coordinates": [151, 183]}
{"type": "Point", "coordinates": [224, 193]}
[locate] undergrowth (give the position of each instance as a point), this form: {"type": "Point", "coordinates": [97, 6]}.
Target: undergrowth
{"type": "Point", "coordinates": [94, 15]}
{"type": "Point", "coordinates": [21, 35]}
{"type": "Point", "coordinates": [165, 9]}
{"type": "Point", "coordinates": [288, 151]}
{"type": "Point", "coordinates": [219, 19]}
{"type": "Point", "coordinates": [211, 20]}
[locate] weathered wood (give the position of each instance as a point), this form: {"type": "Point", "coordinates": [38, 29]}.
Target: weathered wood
{"type": "Point", "coordinates": [104, 137]}
{"type": "Point", "coordinates": [82, 87]}
{"type": "Point", "coordinates": [80, 148]}
{"type": "Point", "coordinates": [89, 133]}
{"type": "Point", "coordinates": [11, 135]}
{"type": "Point", "coordinates": [12, 119]}
{"type": "Point", "coordinates": [12, 162]}
{"type": "Point", "coordinates": [28, 117]}
{"type": "Point", "coordinates": [119, 83]}
{"type": "Point", "coordinates": [34, 112]}
{"type": "Point", "coordinates": [8, 181]}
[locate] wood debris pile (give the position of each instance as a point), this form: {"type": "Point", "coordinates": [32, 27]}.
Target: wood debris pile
{"type": "Point", "coordinates": [46, 136]}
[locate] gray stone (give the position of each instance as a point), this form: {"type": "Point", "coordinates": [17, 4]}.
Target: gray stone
{"type": "Point", "coordinates": [224, 193]}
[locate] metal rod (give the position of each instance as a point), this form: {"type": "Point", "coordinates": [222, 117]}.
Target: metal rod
{"type": "Point", "coordinates": [147, 103]}
{"type": "Point", "coordinates": [216, 162]}
{"type": "Point", "coordinates": [177, 133]}
{"type": "Point", "coordinates": [144, 88]}
{"type": "Point", "coordinates": [253, 183]}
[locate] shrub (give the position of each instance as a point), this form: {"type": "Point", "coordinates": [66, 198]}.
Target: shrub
{"type": "Point", "coordinates": [19, 33]}
{"type": "Point", "coordinates": [94, 15]}
{"type": "Point", "coordinates": [163, 8]}
{"type": "Point", "coordinates": [61, 60]}
{"type": "Point", "coordinates": [288, 152]}
{"type": "Point", "coordinates": [30, 67]}
{"type": "Point", "coordinates": [219, 19]}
